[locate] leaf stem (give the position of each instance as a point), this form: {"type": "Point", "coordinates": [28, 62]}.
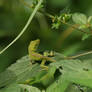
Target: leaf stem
{"type": "Point", "coordinates": [75, 27]}
{"type": "Point", "coordinates": [25, 27]}
{"type": "Point", "coordinates": [79, 55]}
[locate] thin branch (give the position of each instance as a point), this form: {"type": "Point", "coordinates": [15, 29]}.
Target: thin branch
{"type": "Point", "coordinates": [51, 16]}
{"type": "Point", "coordinates": [79, 55]}
{"type": "Point", "coordinates": [75, 27]}
{"type": "Point", "coordinates": [25, 27]}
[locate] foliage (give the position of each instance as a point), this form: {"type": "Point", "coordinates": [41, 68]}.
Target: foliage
{"type": "Point", "coordinates": [59, 77]}
{"type": "Point", "coordinates": [63, 26]}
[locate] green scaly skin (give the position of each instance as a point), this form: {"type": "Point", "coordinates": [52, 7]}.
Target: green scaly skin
{"type": "Point", "coordinates": [32, 49]}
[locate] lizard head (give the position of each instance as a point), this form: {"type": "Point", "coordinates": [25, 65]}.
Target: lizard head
{"type": "Point", "coordinates": [34, 45]}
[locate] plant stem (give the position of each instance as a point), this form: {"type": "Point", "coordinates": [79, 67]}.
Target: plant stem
{"type": "Point", "coordinates": [79, 55]}
{"type": "Point", "coordinates": [25, 27]}
{"type": "Point", "coordinates": [75, 27]}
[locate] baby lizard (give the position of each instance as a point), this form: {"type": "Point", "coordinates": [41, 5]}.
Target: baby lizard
{"type": "Point", "coordinates": [32, 49]}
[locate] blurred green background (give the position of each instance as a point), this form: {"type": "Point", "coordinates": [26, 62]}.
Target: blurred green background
{"type": "Point", "coordinates": [14, 15]}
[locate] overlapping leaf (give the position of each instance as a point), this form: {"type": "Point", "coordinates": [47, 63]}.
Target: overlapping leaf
{"type": "Point", "coordinates": [71, 71]}
{"type": "Point", "coordinates": [76, 71]}
{"type": "Point", "coordinates": [59, 85]}
{"type": "Point", "coordinates": [19, 72]}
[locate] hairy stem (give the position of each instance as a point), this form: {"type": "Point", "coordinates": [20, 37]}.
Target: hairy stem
{"type": "Point", "coordinates": [25, 27]}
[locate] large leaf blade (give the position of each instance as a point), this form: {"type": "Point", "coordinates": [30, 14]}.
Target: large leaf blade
{"type": "Point", "coordinates": [19, 72]}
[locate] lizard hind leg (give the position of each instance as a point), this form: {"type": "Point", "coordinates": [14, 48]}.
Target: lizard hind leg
{"type": "Point", "coordinates": [43, 66]}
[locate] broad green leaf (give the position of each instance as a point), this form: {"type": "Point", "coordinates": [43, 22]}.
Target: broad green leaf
{"type": "Point", "coordinates": [60, 85]}
{"type": "Point", "coordinates": [79, 18]}
{"type": "Point", "coordinates": [73, 88]}
{"type": "Point", "coordinates": [30, 88]}
{"type": "Point", "coordinates": [59, 56]}
{"type": "Point", "coordinates": [12, 88]}
{"type": "Point", "coordinates": [19, 72]}
{"type": "Point", "coordinates": [20, 88]}
{"type": "Point", "coordinates": [76, 71]}
{"type": "Point", "coordinates": [49, 77]}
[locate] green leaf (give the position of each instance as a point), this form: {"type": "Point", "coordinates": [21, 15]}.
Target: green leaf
{"type": "Point", "coordinates": [30, 88]}
{"type": "Point", "coordinates": [75, 71]}
{"type": "Point", "coordinates": [19, 72]}
{"type": "Point", "coordinates": [73, 88]}
{"type": "Point", "coordinates": [49, 77]}
{"type": "Point", "coordinates": [12, 88]}
{"type": "Point", "coordinates": [79, 18]}
{"type": "Point", "coordinates": [90, 19]}
{"type": "Point", "coordinates": [59, 85]}
{"type": "Point", "coordinates": [55, 25]}
{"type": "Point", "coordinates": [85, 36]}
{"type": "Point", "coordinates": [19, 88]}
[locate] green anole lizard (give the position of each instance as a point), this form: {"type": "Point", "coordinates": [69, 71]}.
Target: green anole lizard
{"type": "Point", "coordinates": [32, 49]}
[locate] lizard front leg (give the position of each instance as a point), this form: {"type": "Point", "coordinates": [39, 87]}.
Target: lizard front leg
{"type": "Point", "coordinates": [34, 55]}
